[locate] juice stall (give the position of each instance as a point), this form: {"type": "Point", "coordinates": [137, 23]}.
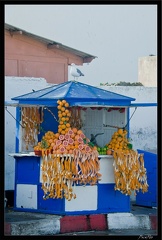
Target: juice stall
{"type": "Point", "coordinates": [73, 154]}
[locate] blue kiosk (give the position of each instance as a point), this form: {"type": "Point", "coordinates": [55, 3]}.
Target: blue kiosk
{"type": "Point", "coordinates": [93, 104]}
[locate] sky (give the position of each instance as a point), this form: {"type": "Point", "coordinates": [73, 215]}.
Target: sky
{"type": "Point", "coordinates": [118, 35]}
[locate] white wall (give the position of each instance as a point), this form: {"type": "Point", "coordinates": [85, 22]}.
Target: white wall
{"type": "Point", "coordinates": [15, 86]}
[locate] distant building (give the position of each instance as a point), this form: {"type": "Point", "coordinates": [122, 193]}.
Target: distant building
{"type": "Point", "coordinates": [147, 71]}
{"type": "Point", "coordinates": [29, 55]}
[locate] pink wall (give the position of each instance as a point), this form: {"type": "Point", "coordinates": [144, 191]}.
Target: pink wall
{"type": "Point", "coordinates": [27, 57]}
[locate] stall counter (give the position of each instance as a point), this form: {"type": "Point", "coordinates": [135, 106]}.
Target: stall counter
{"type": "Point", "coordinates": [99, 198]}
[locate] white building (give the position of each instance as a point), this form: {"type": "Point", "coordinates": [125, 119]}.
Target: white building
{"type": "Point", "coordinates": [147, 71]}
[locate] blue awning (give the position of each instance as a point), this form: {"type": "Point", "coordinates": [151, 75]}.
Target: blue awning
{"type": "Point", "coordinates": [77, 94]}
{"type": "Point", "coordinates": [143, 105]}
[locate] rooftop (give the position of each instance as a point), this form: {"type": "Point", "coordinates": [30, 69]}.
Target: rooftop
{"type": "Point", "coordinates": [87, 58]}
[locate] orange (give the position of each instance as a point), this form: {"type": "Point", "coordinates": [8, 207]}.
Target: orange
{"type": "Point", "coordinates": [66, 104]}
{"type": "Point", "coordinates": [67, 125]}
{"type": "Point", "coordinates": [74, 130]}
{"type": "Point", "coordinates": [68, 147]}
{"type": "Point", "coordinates": [50, 140]}
{"type": "Point", "coordinates": [47, 137]}
{"type": "Point", "coordinates": [69, 114]}
{"type": "Point", "coordinates": [72, 135]}
{"type": "Point", "coordinates": [108, 152]}
{"type": "Point", "coordinates": [36, 148]}
{"type": "Point", "coordinates": [63, 126]}
{"type": "Point", "coordinates": [58, 107]}
{"type": "Point", "coordinates": [60, 103]}
{"type": "Point", "coordinates": [66, 111]}
{"type": "Point", "coordinates": [67, 119]}
{"type": "Point", "coordinates": [63, 119]}
{"type": "Point", "coordinates": [63, 132]}
{"type": "Point", "coordinates": [63, 101]}
{"type": "Point", "coordinates": [75, 142]}
{"type": "Point", "coordinates": [57, 135]}
{"type": "Point", "coordinates": [116, 145]}
{"type": "Point", "coordinates": [120, 131]}
{"type": "Point", "coordinates": [79, 132]}
{"type": "Point", "coordinates": [63, 114]}
{"type": "Point", "coordinates": [60, 115]}
{"type": "Point", "coordinates": [59, 130]}
{"type": "Point", "coordinates": [113, 145]}
{"type": "Point", "coordinates": [76, 136]}
{"type": "Point", "coordinates": [62, 109]}
{"type": "Point", "coordinates": [67, 129]}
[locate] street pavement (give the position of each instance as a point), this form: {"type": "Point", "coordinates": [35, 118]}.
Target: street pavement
{"type": "Point", "coordinates": [140, 222]}
{"type": "Point", "coordinates": [140, 233]}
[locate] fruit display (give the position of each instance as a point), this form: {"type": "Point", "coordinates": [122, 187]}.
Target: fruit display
{"type": "Point", "coordinates": [129, 171]}
{"type": "Point", "coordinates": [119, 141]}
{"type": "Point", "coordinates": [102, 150]}
{"type": "Point", "coordinates": [32, 117]}
{"type": "Point", "coordinates": [69, 158]}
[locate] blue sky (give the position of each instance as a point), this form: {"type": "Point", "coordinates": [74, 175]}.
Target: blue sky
{"type": "Point", "coordinates": [117, 34]}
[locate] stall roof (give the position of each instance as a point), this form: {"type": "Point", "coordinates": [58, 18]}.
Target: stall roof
{"type": "Point", "coordinates": [76, 93]}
